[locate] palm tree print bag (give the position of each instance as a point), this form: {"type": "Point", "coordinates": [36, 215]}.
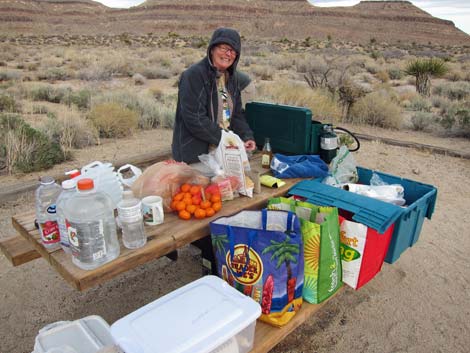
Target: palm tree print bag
{"type": "Point", "coordinates": [260, 253]}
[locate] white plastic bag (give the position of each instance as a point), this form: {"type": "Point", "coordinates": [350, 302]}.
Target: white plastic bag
{"type": "Point", "coordinates": [342, 169]}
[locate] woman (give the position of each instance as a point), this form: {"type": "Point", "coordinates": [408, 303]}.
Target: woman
{"type": "Point", "coordinates": [209, 100]}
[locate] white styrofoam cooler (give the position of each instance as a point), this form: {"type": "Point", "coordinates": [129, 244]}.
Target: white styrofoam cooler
{"type": "Point", "coordinates": [205, 316]}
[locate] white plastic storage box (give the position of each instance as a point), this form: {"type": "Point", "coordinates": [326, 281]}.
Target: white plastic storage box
{"type": "Point", "coordinates": [205, 316]}
{"type": "Point", "coordinates": [87, 335]}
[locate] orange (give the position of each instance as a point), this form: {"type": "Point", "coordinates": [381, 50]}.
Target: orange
{"type": "Point", "coordinates": [187, 194]}
{"type": "Point", "coordinates": [173, 205]}
{"type": "Point", "coordinates": [187, 200]}
{"type": "Point", "coordinates": [196, 200]}
{"type": "Point", "coordinates": [200, 213]}
{"type": "Point", "coordinates": [178, 197]}
{"type": "Point", "coordinates": [210, 212]}
{"type": "Point", "coordinates": [207, 196]}
{"type": "Point", "coordinates": [180, 206]}
{"type": "Point", "coordinates": [205, 204]}
{"type": "Point", "coordinates": [195, 190]}
{"type": "Point", "coordinates": [191, 208]}
{"type": "Point", "coordinates": [215, 198]}
{"type": "Point", "coordinates": [183, 214]}
{"type": "Point", "coordinates": [217, 206]}
{"type": "Point", "coordinates": [185, 187]}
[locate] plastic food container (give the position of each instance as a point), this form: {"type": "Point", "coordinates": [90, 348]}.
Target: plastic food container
{"type": "Point", "coordinates": [205, 316]}
{"type": "Point", "coordinates": [87, 335]}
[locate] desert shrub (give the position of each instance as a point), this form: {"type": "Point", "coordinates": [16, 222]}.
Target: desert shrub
{"type": "Point", "coordinates": [420, 104]}
{"type": "Point", "coordinates": [372, 68]}
{"type": "Point", "coordinates": [440, 102]}
{"type": "Point", "coordinates": [302, 65]}
{"type": "Point", "coordinates": [376, 109]}
{"type": "Point", "coordinates": [382, 75]}
{"type": "Point", "coordinates": [456, 120]}
{"type": "Point", "coordinates": [395, 73]}
{"type": "Point", "coordinates": [139, 79]}
{"type": "Point", "coordinates": [263, 72]}
{"type": "Point", "coordinates": [319, 101]}
{"type": "Point", "coordinates": [282, 62]}
{"type": "Point", "coordinates": [8, 103]}
{"type": "Point", "coordinates": [48, 93]}
{"type": "Point", "coordinates": [8, 75]}
{"type": "Point", "coordinates": [455, 75]}
{"type": "Point", "coordinates": [157, 72]}
{"type": "Point", "coordinates": [145, 105]}
{"type": "Point", "coordinates": [81, 98]}
{"type": "Point", "coordinates": [114, 120]}
{"type": "Point", "coordinates": [421, 120]}
{"type": "Point", "coordinates": [24, 148]}
{"type": "Point", "coordinates": [70, 129]}
{"type": "Point", "coordinates": [53, 74]}
{"type": "Point", "coordinates": [453, 90]}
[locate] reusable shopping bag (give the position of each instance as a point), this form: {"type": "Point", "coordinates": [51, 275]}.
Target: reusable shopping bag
{"type": "Point", "coordinates": [260, 253]}
{"type": "Point", "coordinates": [363, 250]}
{"type": "Point", "coordinates": [320, 235]}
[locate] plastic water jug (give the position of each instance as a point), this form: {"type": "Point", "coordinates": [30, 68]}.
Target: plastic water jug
{"type": "Point", "coordinates": [46, 216]}
{"type": "Point", "coordinates": [91, 226]}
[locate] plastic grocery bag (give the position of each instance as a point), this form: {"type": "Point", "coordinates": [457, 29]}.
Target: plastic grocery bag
{"type": "Point", "coordinates": [320, 235]}
{"type": "Point", "coordinates": [342, 169]}
{"type": "Point", "coordinates": [301, 166]}
{"type": "Point", "coordinates": [229, 159]}
{"type": "Point", "coordinates": [260, 253]}
{"type": "Point", "coordinates": [164, 178]}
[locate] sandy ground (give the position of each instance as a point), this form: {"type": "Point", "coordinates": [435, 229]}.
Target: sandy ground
{"type": "Point", "coordinates": [418, 304]}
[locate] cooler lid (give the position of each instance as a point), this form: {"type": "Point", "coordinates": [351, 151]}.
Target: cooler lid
{"type": "Point", "coordinates": [288, 127]}
{"type": "Point", "coordinates": [196, 318]}
{"type": "Point", "coordinates": [373, 213]}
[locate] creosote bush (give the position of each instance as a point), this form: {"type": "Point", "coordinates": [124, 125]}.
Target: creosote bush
{"type": "Point", "coordinates": [24, 148]}
{"type": "Point", "coordinates": [114, 120]}
{"type": "Point", "coordinates": [376, 109]}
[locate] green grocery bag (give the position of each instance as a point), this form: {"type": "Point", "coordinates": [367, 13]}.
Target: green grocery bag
{"type": "Point", "coordinates": [320, 234]}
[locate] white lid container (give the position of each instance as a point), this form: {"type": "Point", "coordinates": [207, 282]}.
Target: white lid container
{"type": "Point", "coordinates": [87, 335]}
{"type": "Point", "coordinates": [200, 317]}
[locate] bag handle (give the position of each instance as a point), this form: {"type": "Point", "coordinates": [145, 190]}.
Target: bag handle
{"type": "Point", "coordinates": [290, 218]}
{"type": "Point", "coordinates": [251, 235]}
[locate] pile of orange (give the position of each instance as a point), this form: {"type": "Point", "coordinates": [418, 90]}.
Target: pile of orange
{"type": "Point", "coordinates": [191, 200]}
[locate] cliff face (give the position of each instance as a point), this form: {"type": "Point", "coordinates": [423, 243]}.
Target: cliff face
{"type": "Point", "coordinates": [388, 21]}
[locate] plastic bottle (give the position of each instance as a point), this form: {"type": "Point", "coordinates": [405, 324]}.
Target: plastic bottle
{"type": "Point", "coordinates": [91, 226]}
{"type": "Point", "coordinates": [131, 220]}
{"type": "Point", "coordinates": [46, 216]}
{"type": "Point", "coordinates": [266, 154]}
{"type": "Point", "coordinates": [328, 144]}
{"type": "Point", "coordinates": [68, 190]}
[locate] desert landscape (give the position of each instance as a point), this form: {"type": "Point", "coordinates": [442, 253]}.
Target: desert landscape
{"type": "Point", "coordinates": [91, 85]}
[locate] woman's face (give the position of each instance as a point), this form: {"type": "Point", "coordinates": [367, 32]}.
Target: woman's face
{"type": "Point", "coordinates": [223, 56]}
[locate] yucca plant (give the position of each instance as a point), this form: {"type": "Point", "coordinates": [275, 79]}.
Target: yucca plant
{"type": "Point", "coordinates": [422, 70]}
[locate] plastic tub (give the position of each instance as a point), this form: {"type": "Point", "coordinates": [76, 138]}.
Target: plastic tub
{"type": "Point", "coordinates": [420, 202]}
{"type": "Point", "coordinates": [205, 316]}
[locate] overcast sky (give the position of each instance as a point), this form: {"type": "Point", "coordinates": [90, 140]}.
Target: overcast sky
{"type": "Point", "coordinates": [457, 11]}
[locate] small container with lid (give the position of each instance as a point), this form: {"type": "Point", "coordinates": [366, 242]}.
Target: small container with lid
{"type": "Point", "coordinates": [131, 220]}
{"type": "Point", "coordinates": [91, 227]}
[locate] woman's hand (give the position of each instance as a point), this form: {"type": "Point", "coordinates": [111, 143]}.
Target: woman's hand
{"type": "Point", "coordinates": [250, 145]}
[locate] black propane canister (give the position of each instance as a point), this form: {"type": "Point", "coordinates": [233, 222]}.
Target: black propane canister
{"type": "Point", "coordinates": [328, 144]}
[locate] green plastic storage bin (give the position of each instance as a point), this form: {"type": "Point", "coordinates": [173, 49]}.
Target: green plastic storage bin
{"type": "Point", "coordinates": [420, 202]}
{"type": "Point", "coordinates": [290, 129]}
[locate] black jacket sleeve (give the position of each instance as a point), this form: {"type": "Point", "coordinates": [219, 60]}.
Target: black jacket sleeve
{"type": "Point", "coordinates": [193, 100]}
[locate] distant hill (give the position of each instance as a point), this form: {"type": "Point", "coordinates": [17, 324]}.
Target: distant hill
{"type": "Point", "coordinates": [384, 21]}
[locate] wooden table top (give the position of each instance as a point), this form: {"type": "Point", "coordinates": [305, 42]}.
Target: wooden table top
{"type": "Point", "coordinates": [161, 240]}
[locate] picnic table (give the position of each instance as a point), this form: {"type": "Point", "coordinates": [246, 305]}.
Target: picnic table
{"type": "Point", "coordinates": [162, 240]}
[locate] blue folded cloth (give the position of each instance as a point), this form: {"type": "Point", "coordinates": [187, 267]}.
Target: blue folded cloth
{"type": "Point", "coordinates": [300, 166]}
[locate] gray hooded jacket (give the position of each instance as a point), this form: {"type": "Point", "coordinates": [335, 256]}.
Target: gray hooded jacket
{"type": "Point", "coordinates": [196, 124]}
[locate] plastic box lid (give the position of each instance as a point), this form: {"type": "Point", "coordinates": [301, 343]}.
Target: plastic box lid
{"type": "Point", "coordinates": [373, 213]}
{"type": "Point", "coordinates": [196, 318]}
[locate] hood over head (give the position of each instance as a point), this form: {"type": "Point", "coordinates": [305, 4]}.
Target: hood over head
{"type": "Point", "coordinates": [226, 36]}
